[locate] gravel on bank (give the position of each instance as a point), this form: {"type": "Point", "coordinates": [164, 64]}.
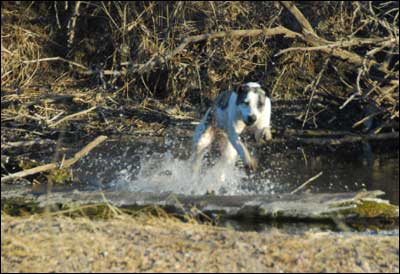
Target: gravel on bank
{"type": "Point", "coordinates": [126, 244]}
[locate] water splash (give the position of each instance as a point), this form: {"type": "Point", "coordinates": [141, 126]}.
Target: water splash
{"type": "Point", "coordinates": [165, 173]}
{"type": "Point", "coordinates": [161, 165]}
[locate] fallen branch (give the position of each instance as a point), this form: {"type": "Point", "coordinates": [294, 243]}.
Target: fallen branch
{"type": "Point", "coordinates": [56, 59]}
{"type": "Point", "coordinates": [148, 66]}
{"type": "Point", "coordinates": [310, 36]}
{"type": "Point", "coordinates": [27, 143]}
{"type": "Point", "coordinates": [84, 70]}
{"type": "Point", "coordinates": [343, 44]}
{"type": "Point", "coordinates": [63, 164]}
{"type": "Point", "coordinates": [305, 25]}
{"type": "Point", "coordinates": [268, 32]}
{"type": "Point", "coordinates": [316, 133]}
{"type": "Point", "coordinates": [365, 119]}
{"type": "Point", "coordinates": [54, 99]}
{"type": "Point", "coordinates": [347, 139]}
{"type": "Point", "coordinates": [69, 117]}
{"type": "Point", "coordinates": [313, 206]}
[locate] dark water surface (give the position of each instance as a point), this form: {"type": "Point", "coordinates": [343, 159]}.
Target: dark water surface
{"type": "Point", "coordinates": [160, 165]}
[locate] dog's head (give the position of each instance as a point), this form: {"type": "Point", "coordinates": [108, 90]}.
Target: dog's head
{"type": "Point", "coordinates": [250, 102]}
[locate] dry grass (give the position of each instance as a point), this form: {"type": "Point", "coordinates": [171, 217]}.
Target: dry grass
{"type": "Point", "coordinates": [122, 66]}
{"type": "Point", "coordinates": [123, 243]}
{"type": "Point", "coordinates": [114, 36]}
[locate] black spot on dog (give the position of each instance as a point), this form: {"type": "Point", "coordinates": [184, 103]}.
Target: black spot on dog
{"type": "Point", "coordinates": [222, 100]}
{"type": "Point", "coordinates": [242, 93]}
{"type": "Point", "coordinates": [261, 101]}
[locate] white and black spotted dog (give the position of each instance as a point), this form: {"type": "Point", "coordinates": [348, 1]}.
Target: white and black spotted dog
{"type": "Point", "coordinates": [230, 114]}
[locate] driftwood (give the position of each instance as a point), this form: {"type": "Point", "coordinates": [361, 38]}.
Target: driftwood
{"type": "Point", "coordinates": [312, 206]}
{"type": "Point", "coordinates": [346, 139]}
{"type": "Point", "coordinates": [316, 132]}
{"type": "Point", "coordinates": [323, 137]}
{"type": "Point", "coordinates": [63, 164]}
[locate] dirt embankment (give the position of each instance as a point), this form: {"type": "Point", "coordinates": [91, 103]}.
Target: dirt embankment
{"type": "Point", "coordinates": [152, 245]}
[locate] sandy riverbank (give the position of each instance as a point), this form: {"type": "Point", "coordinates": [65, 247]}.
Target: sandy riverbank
{"type": "Point", "coordinates": [59, 244]}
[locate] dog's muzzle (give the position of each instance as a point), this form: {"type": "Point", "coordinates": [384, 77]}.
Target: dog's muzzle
{"type": "Point", "coordinates": [250, 120]}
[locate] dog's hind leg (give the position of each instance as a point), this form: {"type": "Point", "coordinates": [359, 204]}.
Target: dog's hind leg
{"type": "Point", "coordinates": [203, 137]}
{"type": "Point", "coordinates": [199, 147]}
{"type": "Point", "coordinates": [228, 159]}
{"type": "Point", "coordinates": [229, 154]}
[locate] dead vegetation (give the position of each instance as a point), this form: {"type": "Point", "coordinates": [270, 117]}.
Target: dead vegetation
{"type": "Point", "coordinates": [73, 69]}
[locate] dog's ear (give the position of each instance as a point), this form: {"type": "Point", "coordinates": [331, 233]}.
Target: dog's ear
{"type": "Point", "coordinates": [242, 92]}
{"type": "Point", "coordinates": [267, 91]}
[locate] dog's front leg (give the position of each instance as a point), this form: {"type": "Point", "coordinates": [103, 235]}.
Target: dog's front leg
{"type": "Point", "coordinates": [263, 134]}
{"type": "Point", "coordinates": [242, 150]}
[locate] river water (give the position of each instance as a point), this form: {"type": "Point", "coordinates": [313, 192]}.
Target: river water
{"type": "Point", "coordinates": [161, 165]}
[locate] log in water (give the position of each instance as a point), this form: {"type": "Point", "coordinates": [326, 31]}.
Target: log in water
{"type": "Point", "coordinates": [312, 206]}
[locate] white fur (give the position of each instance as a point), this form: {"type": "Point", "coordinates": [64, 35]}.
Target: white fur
{"type": "Point", "coordinates": [253, 85]}
{"type": "Point", "coordinates": [232, 120]}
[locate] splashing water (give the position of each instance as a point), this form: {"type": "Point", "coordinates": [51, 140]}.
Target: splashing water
{"type": "Point", "coordinates": [161, 165]}
{"type": "Point", "coordinates": [165, 173]}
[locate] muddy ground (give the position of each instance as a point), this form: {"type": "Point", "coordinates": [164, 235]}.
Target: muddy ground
{"type": "Point", "coordinates": [126, 244]}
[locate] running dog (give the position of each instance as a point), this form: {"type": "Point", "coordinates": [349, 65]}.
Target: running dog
{"type": "Point", "coordinates": [230, 114]}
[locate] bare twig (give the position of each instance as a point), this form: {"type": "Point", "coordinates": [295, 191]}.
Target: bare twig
{"type": "Point", "coordinates": [66, 164]}
{"type": "Point", "coordinates": [57, 59]}
{"type": "Point", "coordinates": [306, 183]}
{"type": "Point", "coordinates": [69, 117]}
{"type": "Point", "coordinates": [27, 143]}
{"type": "Point", "coordinates": [357, 93]}
{"type": "Point", "coordinates": [321, 43]}
{"type": "Point", "coordinates": [365, 119]}
{"type": "Point", "coordinates": [221, 34]}
{"type": "Point", "coordinates": [151, 64]}
{"type": "Point", "coordinates": [313, 86]}
{"type": "Point", "coordinates": [72, 24]}
{"type": "Point", "coordinates": [307, 28]}
{"type": "Point", "coordinates": [345, 44]}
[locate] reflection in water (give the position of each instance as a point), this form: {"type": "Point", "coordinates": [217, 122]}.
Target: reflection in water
{"type": "Point", "coordinates": [162, 167]}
